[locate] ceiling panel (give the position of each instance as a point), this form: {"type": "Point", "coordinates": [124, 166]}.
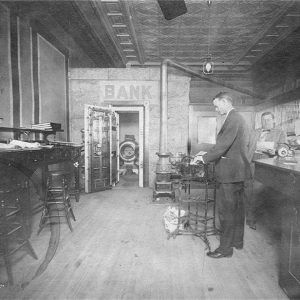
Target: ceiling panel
{"type": "Point", "coordinates": [235, 33]}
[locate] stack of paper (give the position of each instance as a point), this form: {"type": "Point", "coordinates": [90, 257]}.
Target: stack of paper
{"type": "Point", "coordinates": [48, 126]}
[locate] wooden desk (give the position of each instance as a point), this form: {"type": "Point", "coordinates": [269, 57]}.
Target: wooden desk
{"type": "Point", "coordinates": [28, 161]}
{"type": "Point", "coordinates": [285, 178]}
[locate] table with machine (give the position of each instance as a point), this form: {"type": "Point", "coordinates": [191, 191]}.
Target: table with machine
{"type": "Point", "coordinates": [196, 211]}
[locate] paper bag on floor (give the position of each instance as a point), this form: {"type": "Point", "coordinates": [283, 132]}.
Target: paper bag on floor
{"type": "Point", "coordinates": [170, 218]}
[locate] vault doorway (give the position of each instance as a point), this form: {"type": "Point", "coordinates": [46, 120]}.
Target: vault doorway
{"type": "Point", "coordinates": [131, 145]}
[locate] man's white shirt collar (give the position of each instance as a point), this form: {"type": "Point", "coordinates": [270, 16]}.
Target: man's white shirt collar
{"type": "Point", "coordinates": [226, 117]}
{"type": "Point", "coordinates": [228, 113]}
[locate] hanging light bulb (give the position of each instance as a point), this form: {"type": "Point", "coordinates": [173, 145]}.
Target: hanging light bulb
{"type": "Point", "coordinates": [208, 66]}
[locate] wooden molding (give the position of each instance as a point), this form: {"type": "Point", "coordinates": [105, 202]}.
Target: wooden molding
{"type": "Point", "coordinates": [39, 29]}
{"type": "Point", "coordinates": [15, 71]}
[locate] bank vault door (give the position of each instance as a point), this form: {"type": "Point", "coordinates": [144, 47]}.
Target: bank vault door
{"type": "Point", "coordinates": [101, 148]}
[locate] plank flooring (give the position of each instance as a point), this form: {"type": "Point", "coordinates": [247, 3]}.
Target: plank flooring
{"type": "Point", "coordinates": [119, 250]}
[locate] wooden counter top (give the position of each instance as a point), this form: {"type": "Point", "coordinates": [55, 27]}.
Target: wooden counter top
{"type": "Point", "coordinates": [281, 164]}
{"type": "Point", "coordinates": [280, 175]}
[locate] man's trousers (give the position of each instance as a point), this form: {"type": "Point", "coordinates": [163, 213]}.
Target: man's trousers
{"type": "Point", "coordinates": [231, 216]}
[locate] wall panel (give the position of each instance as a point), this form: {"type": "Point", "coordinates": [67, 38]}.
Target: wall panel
{"type": "Point", "coordinates": [5, 71]}
{"type": "Point", "coordinates": [26, 85]}
{"type": "Point", "coordinates": [52, 84]}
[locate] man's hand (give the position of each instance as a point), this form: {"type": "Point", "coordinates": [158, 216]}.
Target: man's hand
{"type": "Point", "coordinates": [197, 159]}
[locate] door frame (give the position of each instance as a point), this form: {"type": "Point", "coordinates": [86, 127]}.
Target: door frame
{"type": "Point", "coordinates": [140, 109]}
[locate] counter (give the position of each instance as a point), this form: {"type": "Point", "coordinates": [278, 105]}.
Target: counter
{"type": "Point", "coordinates": [284, 178]}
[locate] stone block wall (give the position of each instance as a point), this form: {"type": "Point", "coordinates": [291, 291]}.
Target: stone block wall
{"type": "Point", "coordinates": [133, 86]}
{"type": "Point", "coordinates": [202, 92]}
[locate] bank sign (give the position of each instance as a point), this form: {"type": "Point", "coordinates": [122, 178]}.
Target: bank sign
{"type": "Point", "coordinates": [129, 90]}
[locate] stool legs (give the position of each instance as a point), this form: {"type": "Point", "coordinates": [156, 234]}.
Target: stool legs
{"type": "Point", "coordinates": [76, 190]}
{"type": "Point", "coordinates": [58, 199]}
{"type": "Point", "coordinates": [43, 219]}
{"type": "Point", "coordinates": [68, 219]}
{"type": "Point", "coordinates": [68, 209]}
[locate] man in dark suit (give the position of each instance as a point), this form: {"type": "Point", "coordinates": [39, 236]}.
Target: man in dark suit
{"type": "Point", "coordinates": [230, 155]}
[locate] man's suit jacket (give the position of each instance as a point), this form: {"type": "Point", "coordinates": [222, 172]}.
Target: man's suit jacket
{"type": "Point", "coordinates": [231, 152]}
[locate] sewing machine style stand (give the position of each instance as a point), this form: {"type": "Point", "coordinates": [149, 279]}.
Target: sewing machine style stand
{"type": "Point", "coordinates": [199, 216]}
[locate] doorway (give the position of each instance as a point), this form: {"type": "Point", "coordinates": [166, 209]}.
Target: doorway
{"type": "Point", "coordinates": [131, 146]}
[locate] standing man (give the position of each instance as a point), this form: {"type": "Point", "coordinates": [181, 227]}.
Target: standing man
{"type": "Point", "coordinates": [268, 137]}
{"type": "Point", "coordinates": [230, 155]}
{"type": "Point", "coordinates": [264, 143]}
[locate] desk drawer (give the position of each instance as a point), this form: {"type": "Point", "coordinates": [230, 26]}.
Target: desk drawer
{"type": "Point", "coordinates": [35, 157]}
{"type": "Point", "coordinates": [285, 182]}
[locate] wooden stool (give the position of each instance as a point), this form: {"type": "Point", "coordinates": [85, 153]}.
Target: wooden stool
{"type": "Point", "coordinates": [12, 222]}
{"type": "Point", "coordinates": [57, 198]}
{"type": "Point", "coordinates": [74, 190]}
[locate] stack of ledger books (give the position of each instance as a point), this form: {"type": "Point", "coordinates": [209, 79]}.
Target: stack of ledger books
{"type": "Point", "coordinates": [48, 126]}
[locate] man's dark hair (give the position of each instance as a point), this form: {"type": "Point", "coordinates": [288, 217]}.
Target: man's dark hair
{"type": "Point", "coordinates": [225, 96]}
{"type": "Point", "coordinates": [267, 113]}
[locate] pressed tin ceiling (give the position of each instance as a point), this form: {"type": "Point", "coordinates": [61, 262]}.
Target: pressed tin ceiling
{"type": "Point", "coordinates": [235, 33]}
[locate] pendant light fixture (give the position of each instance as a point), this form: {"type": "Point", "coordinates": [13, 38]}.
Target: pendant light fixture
{"type": "Point", "coordinates": [208, 65]}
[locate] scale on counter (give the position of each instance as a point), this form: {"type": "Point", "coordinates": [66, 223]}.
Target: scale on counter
{"type": "Point", "coordinates": [286, 153]}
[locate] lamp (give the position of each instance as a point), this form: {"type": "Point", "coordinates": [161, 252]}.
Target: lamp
{"type": "Point", "coordinates": [208, 66]}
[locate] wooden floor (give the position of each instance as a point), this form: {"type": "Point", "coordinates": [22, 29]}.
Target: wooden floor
{"type": "Point", "coordinates": [128, 181]}
{"type": "Point", "coordinates": [119, 250]}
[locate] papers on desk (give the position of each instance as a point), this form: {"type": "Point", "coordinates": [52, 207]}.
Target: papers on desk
{"type": "Point", "coordinates": [26, 145]}
{"type": "Point", "coordinates": [7, 146]}
{"type": "Point", "coordinates": [264, 146]}
{"type": "Point", "coordinates": [198, 158]}
{"type": "Point", "coordinates": [47, 126]}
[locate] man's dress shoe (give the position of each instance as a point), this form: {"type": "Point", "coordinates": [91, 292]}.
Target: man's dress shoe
{"type": "Point", "coordinates": [216, 254]}
{"type": "Point", "coordinates": [238, 246]}
{"type": "Point", "coordinates": [252, 226]}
